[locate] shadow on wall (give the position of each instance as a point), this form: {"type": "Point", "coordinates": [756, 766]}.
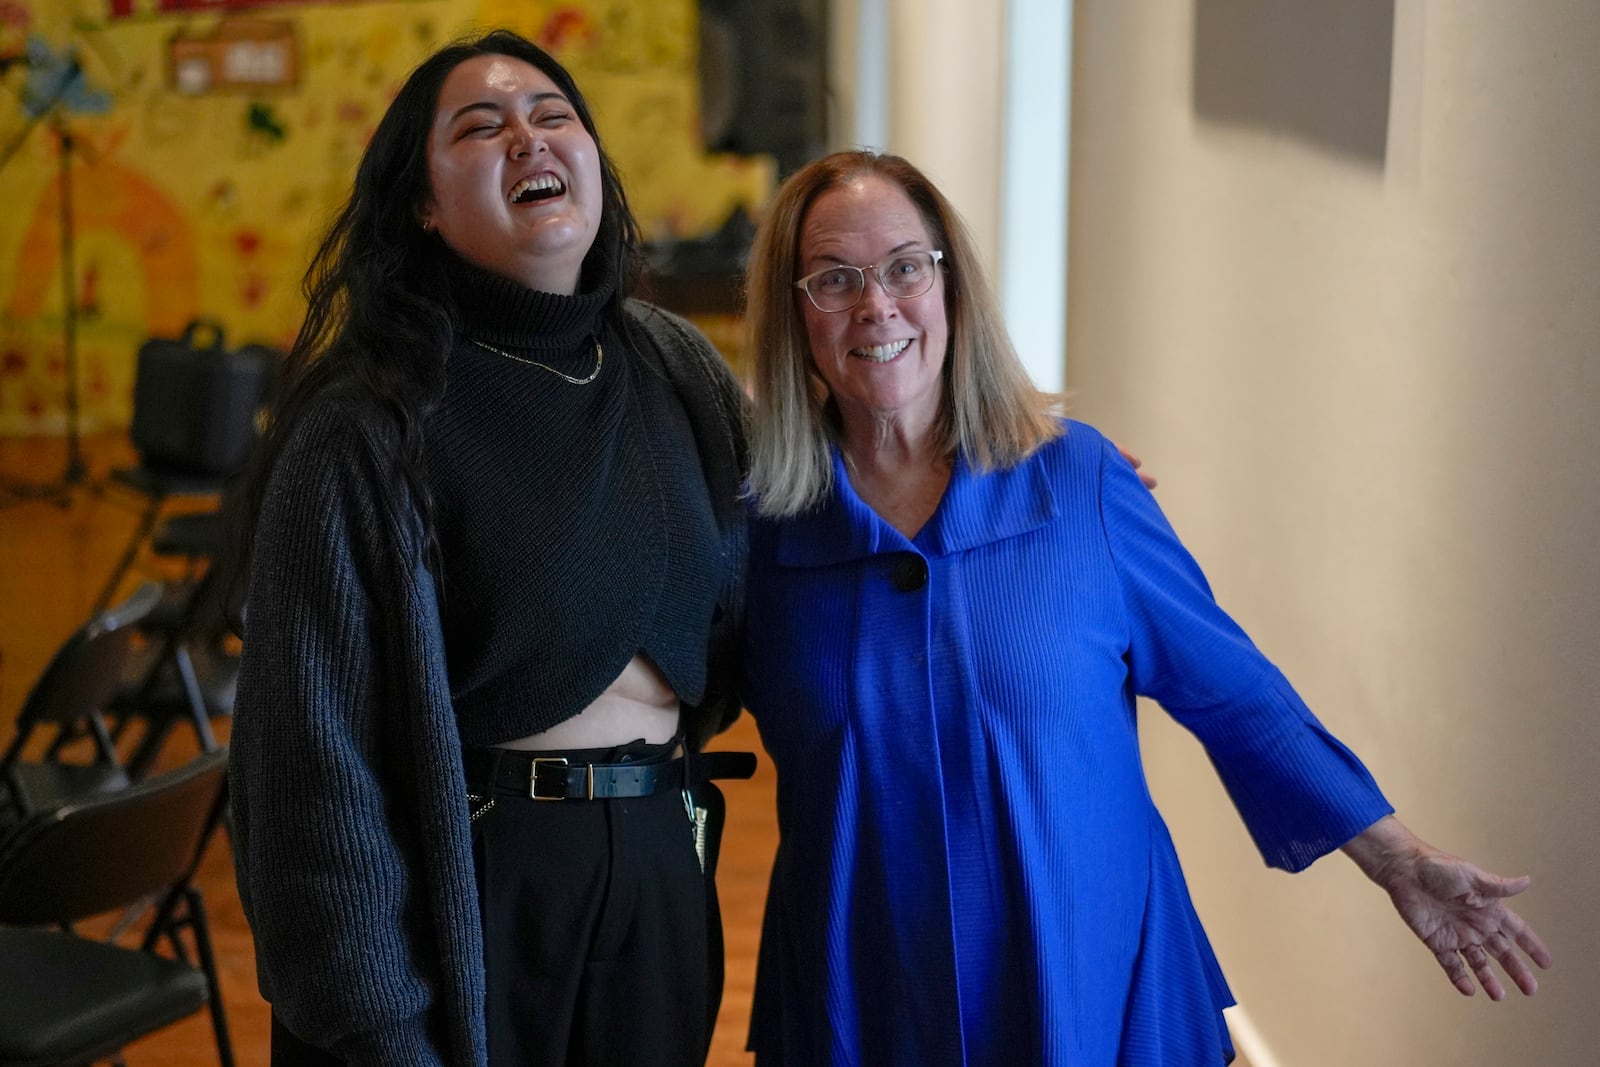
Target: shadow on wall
{"type": "Point", "coordinates": [1305, 68]}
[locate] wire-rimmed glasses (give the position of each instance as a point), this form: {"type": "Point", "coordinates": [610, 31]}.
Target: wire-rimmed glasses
{"type": "Point", "coordinates": [840, 287]}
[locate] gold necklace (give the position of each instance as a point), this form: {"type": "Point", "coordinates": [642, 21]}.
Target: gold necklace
{"type": "Point", "coordinates": [599, 358]}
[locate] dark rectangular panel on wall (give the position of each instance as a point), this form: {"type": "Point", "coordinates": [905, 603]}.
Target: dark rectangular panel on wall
{"type": "Point", "coordinates": [1316, 69]}
{"type": "Point", "coordinates": [763, 78]}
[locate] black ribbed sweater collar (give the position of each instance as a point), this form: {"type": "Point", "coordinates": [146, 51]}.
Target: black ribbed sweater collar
{"type": "Point", "coordinates": [500, 312]}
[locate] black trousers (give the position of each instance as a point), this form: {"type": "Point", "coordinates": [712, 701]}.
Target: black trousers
{"type": "Point", "coordinates": [289, 1051]}
{"type": "Point", "coordinates": [602, 938]}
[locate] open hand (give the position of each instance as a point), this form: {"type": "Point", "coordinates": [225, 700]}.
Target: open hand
{"type": "Point", "coordinates": [1459, 911]}
{"type": "Point", "coordinates": [1457, 908]}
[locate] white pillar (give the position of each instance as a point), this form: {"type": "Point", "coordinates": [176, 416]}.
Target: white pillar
{"type": "Point", "coordinates": [945, 100]}
{"type": "Point", "coordinates": [978, 96]}
{"type": "Point", "coordinates": [1033, 185]}
{"type": "Point", "coordinates": [860, 62]}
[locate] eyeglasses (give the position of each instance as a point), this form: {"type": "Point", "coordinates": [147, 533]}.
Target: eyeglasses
{"type": "Point", "coordinates": [840, 288]}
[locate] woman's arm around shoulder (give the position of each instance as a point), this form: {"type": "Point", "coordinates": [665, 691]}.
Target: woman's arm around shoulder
{"type": "Point", "coordinates": [717, 408]}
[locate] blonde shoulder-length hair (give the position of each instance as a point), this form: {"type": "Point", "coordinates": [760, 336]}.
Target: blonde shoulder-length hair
{"type": "Point", "coordinates": [990, 410]}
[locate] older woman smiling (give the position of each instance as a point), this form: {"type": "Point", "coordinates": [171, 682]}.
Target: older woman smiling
{"type": "Point", "coordinates": [954, 598]}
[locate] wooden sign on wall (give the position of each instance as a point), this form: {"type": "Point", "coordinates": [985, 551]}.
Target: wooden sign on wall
{"type": "Point", "coordinates": [238, 54]}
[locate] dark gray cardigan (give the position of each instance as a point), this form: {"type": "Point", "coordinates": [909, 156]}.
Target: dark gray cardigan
{"type": "Point", "coordinates": [352, 839]}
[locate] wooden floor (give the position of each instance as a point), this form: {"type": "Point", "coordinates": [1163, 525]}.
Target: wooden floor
{"type": "Point", "coordinates": [53, 562]}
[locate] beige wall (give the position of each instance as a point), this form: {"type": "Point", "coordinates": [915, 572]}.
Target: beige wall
{"type": "Point", "coordinates": [1371, 390]}
{"type": "Point", "coordinates": [945, 99]}
{"type": "Point", "coordinates": [931, 89]}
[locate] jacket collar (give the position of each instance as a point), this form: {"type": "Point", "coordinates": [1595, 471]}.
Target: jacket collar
{"type": "Point", "coordinates": [977, 509]}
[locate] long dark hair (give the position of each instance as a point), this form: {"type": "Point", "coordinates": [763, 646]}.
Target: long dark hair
{"type": "Point", "coordinates": [379, 315]}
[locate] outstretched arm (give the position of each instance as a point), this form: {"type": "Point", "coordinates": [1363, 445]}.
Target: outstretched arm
{"type": "Point", "coordinates": [1456, 908]}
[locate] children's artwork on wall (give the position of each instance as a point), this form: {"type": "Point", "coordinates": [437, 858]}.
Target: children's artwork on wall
{"type": "Point", "coordinates": [206, 145]}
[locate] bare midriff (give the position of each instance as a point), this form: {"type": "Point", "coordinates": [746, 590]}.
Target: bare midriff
{"type": "Point", "coordinates": [637, 704]}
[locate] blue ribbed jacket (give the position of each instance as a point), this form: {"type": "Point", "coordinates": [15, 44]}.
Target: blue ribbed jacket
{"type": "Point", "coordinates": [971, 868]}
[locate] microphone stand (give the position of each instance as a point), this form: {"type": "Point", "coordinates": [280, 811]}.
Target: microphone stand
{"type": "Point", "coordinates": [76, 471]}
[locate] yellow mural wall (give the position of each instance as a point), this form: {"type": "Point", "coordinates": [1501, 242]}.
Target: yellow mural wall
{"type": "Point", "coordinates": [201, 191]}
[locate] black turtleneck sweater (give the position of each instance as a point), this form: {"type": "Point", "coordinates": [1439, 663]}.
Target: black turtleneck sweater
{"type": "Point", "coordinates": [574, 522]}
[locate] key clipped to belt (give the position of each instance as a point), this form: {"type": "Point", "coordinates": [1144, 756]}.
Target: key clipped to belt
{"type": "Point", "coordinates": [697, 820]}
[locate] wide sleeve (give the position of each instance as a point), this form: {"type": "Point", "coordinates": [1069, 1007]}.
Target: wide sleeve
{"type": "Point", "coordinates": [325, 865]}
{"type": "Point", "coordinates": [1300, 791]}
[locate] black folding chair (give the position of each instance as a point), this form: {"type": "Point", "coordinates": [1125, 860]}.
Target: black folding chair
{"type": "Point", "coordinates": [71, 698]}
{"type": "Point", "coordinates": [157, 486]}
{"type": "Point", "coordinates": [187, 669]}
{"type": "Point", "coordinates": [67, 999]}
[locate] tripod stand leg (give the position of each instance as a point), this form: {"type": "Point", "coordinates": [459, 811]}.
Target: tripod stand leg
{"type": "Point", "coordinates": [76, 471]}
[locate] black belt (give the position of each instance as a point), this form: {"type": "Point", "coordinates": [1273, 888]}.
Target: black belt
{"type": "Point", "coordinates": [555, 778]}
